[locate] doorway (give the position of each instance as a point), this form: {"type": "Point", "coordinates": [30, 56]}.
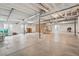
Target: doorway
{"type": "Point", "coordinates": [56, 29]}
{"type": "Point", "coordinates": [29, 30]}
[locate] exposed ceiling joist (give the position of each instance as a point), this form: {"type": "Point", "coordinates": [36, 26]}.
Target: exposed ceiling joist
{"type": "Point", "coordinates": [59, 10]}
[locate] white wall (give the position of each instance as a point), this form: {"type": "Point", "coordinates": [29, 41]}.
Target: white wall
{"type": "Point", "coordinates": [18, 28]}
{"type": "Point", "coordinates": [62, 28]}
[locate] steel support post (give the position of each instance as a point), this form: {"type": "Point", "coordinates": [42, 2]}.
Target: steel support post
{"type": "Point", "coordinates": [39, 27]}
{"type": "Point", "coordinates": [9, 15]}
{"type": "Point", "coordinates": [75, 27]}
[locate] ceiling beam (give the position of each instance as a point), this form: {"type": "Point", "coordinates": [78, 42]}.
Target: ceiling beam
{"type": "Point", "coordinates": [5, 9]}
{"type": "Point", "coordinates": [55, 11]}
{"type": "Point", "coordinates": [59, 10]}
{"type": "Point", "coordinates": [43, 6]}
{"type": "Point", "coordinates": [66, 19]}
{"type": "Point", "coordinates": [3, 15]}
{"type": "Point", "coordinates": [32, 8]}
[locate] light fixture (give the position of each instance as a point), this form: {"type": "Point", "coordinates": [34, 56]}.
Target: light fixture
{"type": "Point", "coordinates": [29, 21]}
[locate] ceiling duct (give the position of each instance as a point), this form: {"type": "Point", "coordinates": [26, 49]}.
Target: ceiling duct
{"type": "Point", "coordinates": [44, 8]}
{"type": "Point", "coordinates": [42, 11]}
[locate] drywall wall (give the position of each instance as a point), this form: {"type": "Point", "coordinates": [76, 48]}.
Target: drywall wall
{"type": "Point", "coordinates": [62, 28]}
{"type": "Point", "coordinates": [18, 28]}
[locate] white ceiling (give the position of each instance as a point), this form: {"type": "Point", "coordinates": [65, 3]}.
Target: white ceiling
{"type": "Point", "coordinates": [26, 10]}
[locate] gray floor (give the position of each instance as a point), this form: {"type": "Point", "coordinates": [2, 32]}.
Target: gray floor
{"type": "Point", "coordinates": [48, 45]}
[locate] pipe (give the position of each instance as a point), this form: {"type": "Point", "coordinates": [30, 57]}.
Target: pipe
{"type": "Point", "coordinates": [10, 13]}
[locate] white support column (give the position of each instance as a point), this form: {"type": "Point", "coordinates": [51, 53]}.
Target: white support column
{"type": "Point", "coordinates": [78, 27]}
{"type": "Point", "coordinates": [75, 27]}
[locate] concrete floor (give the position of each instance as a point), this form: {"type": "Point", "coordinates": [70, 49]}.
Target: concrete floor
{"type": "Point", "coordinates": [49, 45]}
